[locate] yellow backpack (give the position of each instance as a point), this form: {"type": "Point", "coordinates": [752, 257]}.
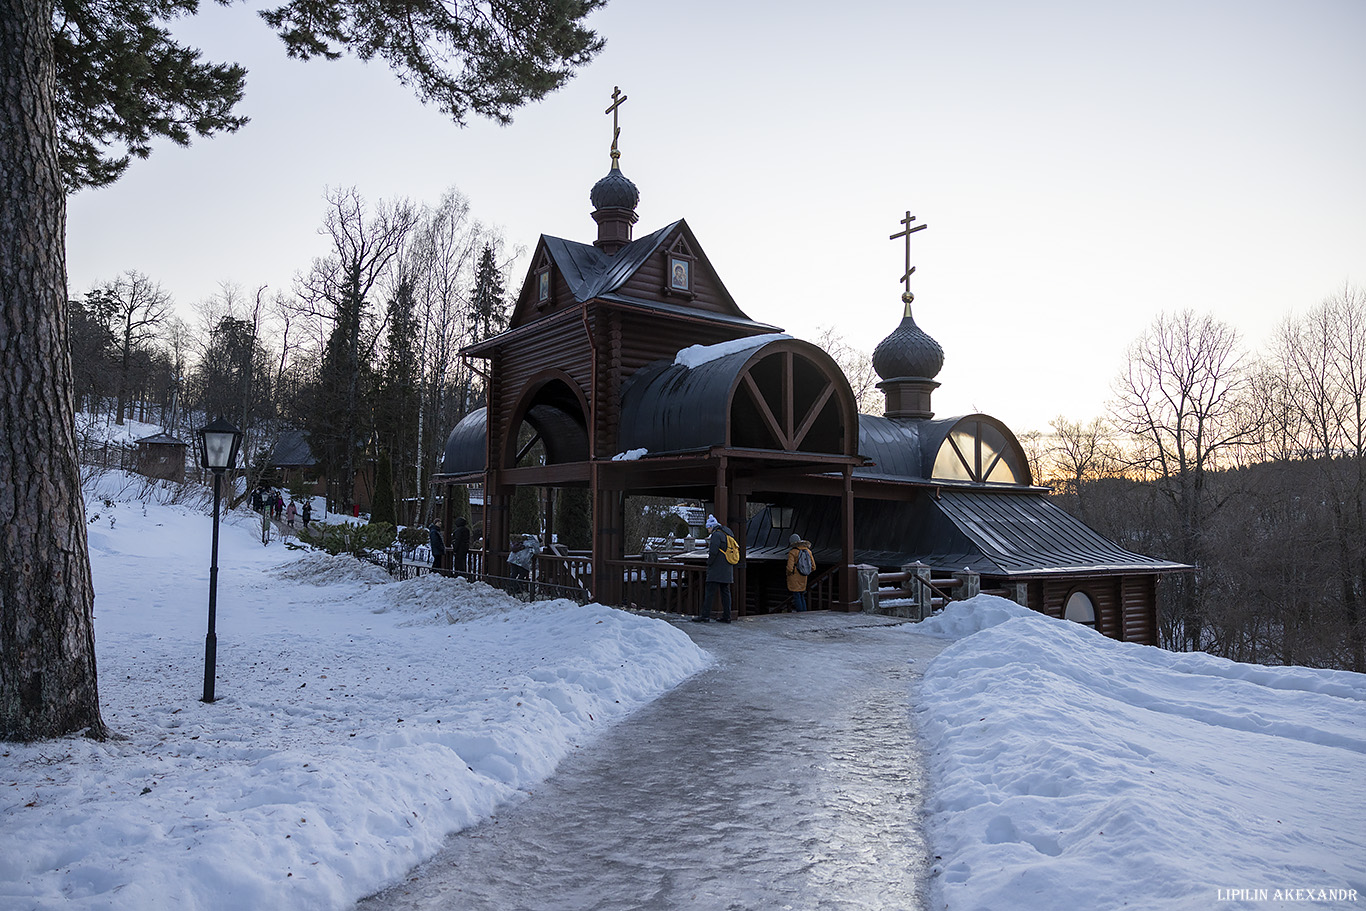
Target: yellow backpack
{"type": "Point", "coordinates": [732, 550]}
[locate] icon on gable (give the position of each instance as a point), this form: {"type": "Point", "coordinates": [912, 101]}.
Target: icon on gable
{"type": "Point", "coordinates": [680, 276]}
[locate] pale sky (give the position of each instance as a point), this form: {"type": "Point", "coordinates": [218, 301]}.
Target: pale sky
{"type": "Point", "coordinates": [1082, 167]}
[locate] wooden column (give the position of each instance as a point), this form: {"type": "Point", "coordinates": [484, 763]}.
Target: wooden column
{"type": "Point", "coordinates": [497, 510]}
{"type": "Point", "coordinates": [721, 497]}
{"type": "Point", "coordinates": [608, 540]}
{"type": "Point", "coordinates": [739, 594]}
{"type": "Point", "coordinates": [847, 588]}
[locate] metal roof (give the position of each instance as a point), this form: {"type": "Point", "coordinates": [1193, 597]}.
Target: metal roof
{"type": "Point", "coordinates": [162, 439]}
{"type": "Point", "coordinates": [894, 447]}
{"type": "Point", "coordinates": [1027, 534]}
{"type": "Point", "coordinates": [668, 407]}
{"type": "Point", "coordinates": [590, 273]}
{"type": "Point", "coordinates": [995, 533]}
{"type": "Point", "coordinates": [466, 451]}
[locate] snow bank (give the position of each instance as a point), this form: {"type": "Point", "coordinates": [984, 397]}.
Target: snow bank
{"type": "Point", "coordinates": [1074, 771]}
{"type": "Point", "coordinates": [963, 618]}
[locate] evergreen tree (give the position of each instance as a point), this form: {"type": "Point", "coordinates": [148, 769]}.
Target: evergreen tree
{"type": "Point", "coordinates": [574, 518]}
{"type": "Point", "coordinates": [91, 343]}
{"type": "Point", "coordinates": [382, 507]}
{"type": "Point", "coordinates": [396, 410]}
{"type": "Point", "coordinates": [488, 306]}
{"type": "Point", "coordinates": [524, 513]}
{"type": "Point", "coordinates": [118, 78]}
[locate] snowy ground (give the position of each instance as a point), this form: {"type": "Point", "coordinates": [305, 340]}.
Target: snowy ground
{"type": "Point", "coordinates": [1072, 771]}
{"type": "Point", "coordinates": [360, 720]}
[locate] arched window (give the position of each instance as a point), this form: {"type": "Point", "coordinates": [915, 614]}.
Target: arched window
{"type": "Point", "coordinates": [1080, 608]}
{"type": "Point", "coordinates": [980, 450]}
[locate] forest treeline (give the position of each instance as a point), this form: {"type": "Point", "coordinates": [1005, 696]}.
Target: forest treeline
{"type": "Point", "coordinates": [1249, 466]}
{"type": "Point", "coordinates": [361, 353]}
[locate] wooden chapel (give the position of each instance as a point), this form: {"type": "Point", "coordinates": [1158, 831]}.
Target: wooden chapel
{"type": "Point", "coordinates": [630, 363]}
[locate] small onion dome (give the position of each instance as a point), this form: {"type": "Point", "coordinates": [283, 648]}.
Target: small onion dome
{"type": "Point", "coordinates": [908, 351]}
{"type": "Point", "coordinates": [615, 191]}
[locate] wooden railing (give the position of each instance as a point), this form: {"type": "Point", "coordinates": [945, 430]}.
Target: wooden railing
{"type": "Point", "coordinates": [674, 588]}
{"type": "Point", "coordinates": [822, 592]}
{"type": "Point", "coordinates": [568, 571]}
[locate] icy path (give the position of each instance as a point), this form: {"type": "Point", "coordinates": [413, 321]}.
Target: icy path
{"type": "Point", "coordinates": [785, 777]}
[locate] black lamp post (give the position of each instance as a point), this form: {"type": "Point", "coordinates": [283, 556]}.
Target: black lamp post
{"type": "Point", "coordinates": [218, 445]}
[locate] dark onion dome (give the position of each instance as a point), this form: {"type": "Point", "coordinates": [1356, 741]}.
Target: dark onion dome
{"type": "Point", "coordinates": [908, 351]}
{"type": "Point", "coordinates": [615, 191]}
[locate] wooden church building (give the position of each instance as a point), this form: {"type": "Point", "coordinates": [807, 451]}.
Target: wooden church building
{"type": "Point", "coordinates": [635, 370]}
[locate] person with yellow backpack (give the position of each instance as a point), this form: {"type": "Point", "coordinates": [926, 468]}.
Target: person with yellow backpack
{"type": "Point", "coordinates": [723, 553]}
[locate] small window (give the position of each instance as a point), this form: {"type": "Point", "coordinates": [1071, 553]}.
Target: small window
{"type": "Point", "coordinates": [1080, 609]}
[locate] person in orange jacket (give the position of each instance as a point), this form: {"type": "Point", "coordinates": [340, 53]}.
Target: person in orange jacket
{"type": "Point", "coordinates": [796, 579]}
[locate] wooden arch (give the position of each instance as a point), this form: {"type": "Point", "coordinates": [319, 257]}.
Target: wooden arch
{"type": "Point", "coordinates": [557, 410]}
{"type": "Point", "coordinates": [792, 400]}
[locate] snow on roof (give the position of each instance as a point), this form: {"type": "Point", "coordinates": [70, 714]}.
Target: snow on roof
{"type": "Point", "coordinates": [701, 354]}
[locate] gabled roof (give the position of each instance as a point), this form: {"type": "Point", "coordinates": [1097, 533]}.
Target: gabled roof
{"type": "Point", "coordinates": [588, 273]}
{"type": "Point", "coordinates": [591, 273]}
{"type": "Point", "coordinates": [291, 450]}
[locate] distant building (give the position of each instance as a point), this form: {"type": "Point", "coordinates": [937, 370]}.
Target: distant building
{"type": "Point", "coordinates": [162, 456]}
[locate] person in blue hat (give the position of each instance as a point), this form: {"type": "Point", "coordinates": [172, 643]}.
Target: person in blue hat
{"type": "Point", "coordinates": [720, 572]}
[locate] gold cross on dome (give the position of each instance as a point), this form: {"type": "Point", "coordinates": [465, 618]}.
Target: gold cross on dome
{"type": "Point", "coordinates": [617, 99]}
{"type": "Point", "coordinates": [910, 270]}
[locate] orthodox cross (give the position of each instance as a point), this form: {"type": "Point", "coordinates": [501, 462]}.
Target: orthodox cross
{"type": "Point", "coordinates": [910, 270]}
{"type": "Point", "coordinates": [617, 99]}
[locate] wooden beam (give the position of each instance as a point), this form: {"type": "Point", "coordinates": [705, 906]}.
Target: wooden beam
{"type": "Point", "coordinates": [811, 415]}
{"type": "Point", "coordinates": [789, 394]}
{"type": "Point", "coordinates": [546, 475]}
{"type": "Point", "coordinates": [766, 413]}
{"type": "Point", "coordinates": [847, 539]}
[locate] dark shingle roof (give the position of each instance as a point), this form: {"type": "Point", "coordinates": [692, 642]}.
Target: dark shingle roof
{"type": "Point", "coordinates": [291, 450]}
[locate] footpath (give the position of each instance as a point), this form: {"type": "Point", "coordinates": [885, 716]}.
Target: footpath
{"type": "Point", "coordinates": [788, 776]}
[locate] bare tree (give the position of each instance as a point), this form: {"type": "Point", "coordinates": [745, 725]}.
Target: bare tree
{"type": "Point", "coordinates": [138, 307]}
{"type": "Point", "coordinates": [442, 260]}
{"type": "Point", "coordinates": [857, 367]}
{"type": "Point", "coordinates": [1321, 359]}
{"type": "Point", "coordinates": [1081, 453]}
{"type": "Point", "coordinates": [1184, 399]}
{"type": "Point", "coordinates": [339, 288]}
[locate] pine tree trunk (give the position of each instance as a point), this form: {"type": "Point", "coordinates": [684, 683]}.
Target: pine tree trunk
{"type": "Point", "coordinates": [47, 643]}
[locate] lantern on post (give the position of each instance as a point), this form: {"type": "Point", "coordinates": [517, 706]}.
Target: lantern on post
{"type": "Point", "coordinates": [218, 445]}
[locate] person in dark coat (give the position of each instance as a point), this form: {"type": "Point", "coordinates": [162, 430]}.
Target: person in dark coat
{"type": "Point", "coordinates": [308, 511]}
{"type": "Point", "coordinates": [460, 544]}
{"type": "Point", "coordinates": [438, 548]}
{"type": "Point", "coordinates": [720, 572]}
